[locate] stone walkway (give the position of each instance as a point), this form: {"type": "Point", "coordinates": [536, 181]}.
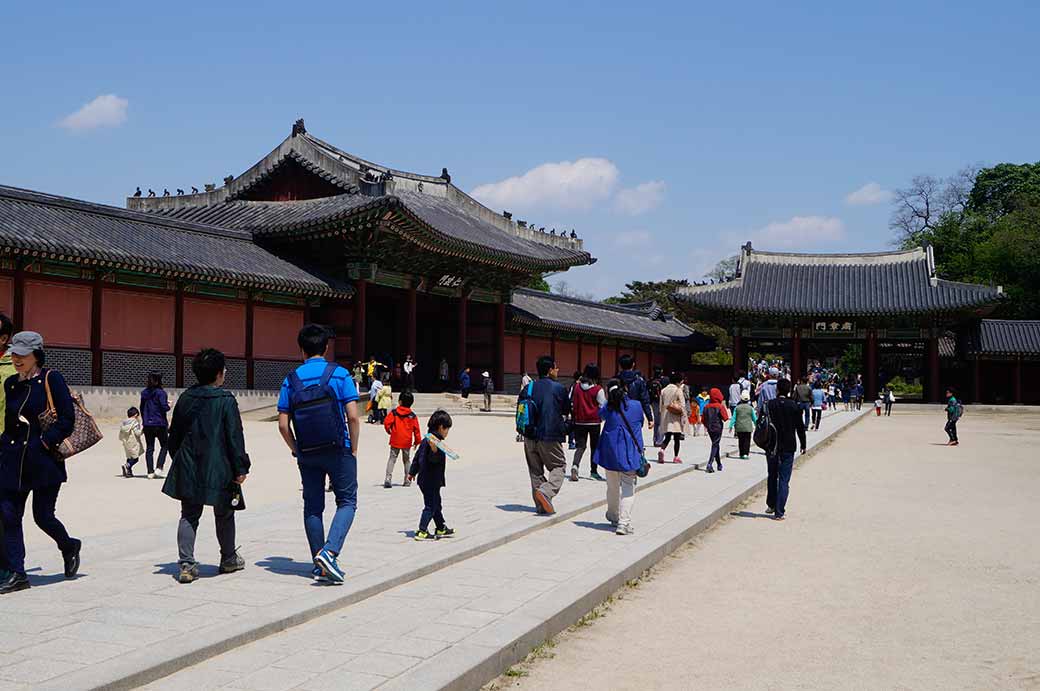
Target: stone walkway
{"type": "Point", "coordinates": [126, 621]}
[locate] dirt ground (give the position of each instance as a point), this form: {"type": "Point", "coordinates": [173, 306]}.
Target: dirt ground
{"type": "Point", "coordinates": [903, 564]}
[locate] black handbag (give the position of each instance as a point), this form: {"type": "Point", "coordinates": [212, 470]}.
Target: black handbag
{"type": "Point", "coordinates": [237, 502]}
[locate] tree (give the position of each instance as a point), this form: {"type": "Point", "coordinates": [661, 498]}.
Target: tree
{"type": "Point", "coordinates": [563, 288]}
{"type": "Point", "coordinates": [663, 293]}
{"type": "Point", "coordinates": [1000, 189]}
{"type": "Point", "coordinates": [538, 282]}
{"type": "Point", "coordinates": [919, 208]}
{"type": "Point", "coordinates": [725, 269]}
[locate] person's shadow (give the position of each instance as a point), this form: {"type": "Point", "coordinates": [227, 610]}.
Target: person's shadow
{"type": "Point", "coordinates": [173, 570]}
{"type": "Point", "coordinates": [750, 514]}
{"type": "Point", "coordinates": [49, 579]}
{"type": "Point", "coordinates": [287, 566]}
{"type": "Point", "coordinates": [591, 525]}
{"type": "Point", "coordinates": [516, 508]}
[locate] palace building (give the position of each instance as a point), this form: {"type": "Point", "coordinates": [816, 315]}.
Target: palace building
{"type": "Point", "coordinates": [890, 307]}
{"type": "Point", "coordinates": [395, 262]}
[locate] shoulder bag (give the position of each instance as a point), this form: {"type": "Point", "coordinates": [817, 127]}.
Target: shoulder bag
{"type": "Point", "coordinates": [85, 431]}
{"type": "Point", "coordinates": [644, 465]}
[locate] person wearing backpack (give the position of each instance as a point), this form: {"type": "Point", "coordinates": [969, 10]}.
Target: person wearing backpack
{"type": "Point", "coordinates": [544, 406]}
{"type": "Point", "coordinates": [653, 391]}
{"type": "Point", "coordinates": [587, 397]}
{"type": "Point", "coordinates": [318, 419]}
{"type": "Point", "coordinates": [403, 428]}
{"type": "Point", "coordinates": [954, 410]}
{"type": "Point", "coordinates": [635, 387]}
{"type": "Point", "coordinates": [786, 418]}
{"type": "Point", "coordinates": [714, 418]}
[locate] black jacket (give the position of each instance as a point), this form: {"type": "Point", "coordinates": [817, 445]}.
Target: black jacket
{"type": "Point", "coordinates": [788, 419]}
{"type": "Point", "coordinates": [207, 445]}
{"type": "Point", "coordinates": [25, 462]}
{"type": "Point", "coordinates": [428, 466]}
{"type": "Point", "coordinates": [635, 385]}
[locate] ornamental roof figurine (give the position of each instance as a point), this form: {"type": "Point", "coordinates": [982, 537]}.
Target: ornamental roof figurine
{"type": "Point", "coordinates": [137, 192]}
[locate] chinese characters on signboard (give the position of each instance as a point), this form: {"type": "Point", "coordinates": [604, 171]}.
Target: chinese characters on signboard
{"type": "Point", "coordinates": [833, 328]}
{"type": "Point", "coordinates": [449, 281]}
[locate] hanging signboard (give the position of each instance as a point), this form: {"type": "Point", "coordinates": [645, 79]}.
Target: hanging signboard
{"type": "Point", "coordinates": [833, 327]}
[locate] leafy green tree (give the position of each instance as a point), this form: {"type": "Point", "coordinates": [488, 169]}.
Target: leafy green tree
{"type": "Point", "coordinates": [539, 283]}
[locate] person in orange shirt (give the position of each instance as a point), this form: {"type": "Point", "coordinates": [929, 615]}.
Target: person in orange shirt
{"type": "Point", "coordinates": [403, 428]}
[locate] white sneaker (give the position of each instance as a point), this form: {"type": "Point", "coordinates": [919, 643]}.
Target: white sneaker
{"type": "Point", "coordinates": [151, 476]}
{"type": "Point", "coordinates": [624, 530]}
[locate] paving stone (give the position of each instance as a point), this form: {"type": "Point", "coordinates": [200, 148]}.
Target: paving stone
{"type": "Point", "coordinates": [271, 679]}
{"type": "Point", "coordinates": [314, 660]}
{"type": "Point", "coordinates": [33, 671]}
{"type": "Point", "coordinates": [348, 680]}
{"type": "Point", "coordinates": [443, 632]}
{"type": "Point", "coordinates": [383, 664]}
{"type": "Point", "coordinates": [195, 679]}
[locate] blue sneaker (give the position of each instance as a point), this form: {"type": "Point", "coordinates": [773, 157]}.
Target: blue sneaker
{"type": "Point", "coordinates": [319, 575]}
{"type": "Point", "coordinates": [326, 561]}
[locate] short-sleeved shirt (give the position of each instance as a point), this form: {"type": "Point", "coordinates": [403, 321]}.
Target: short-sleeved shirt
{"type": "Point", "coordinates": [310, 373]}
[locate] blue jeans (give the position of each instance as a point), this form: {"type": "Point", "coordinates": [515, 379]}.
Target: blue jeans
{"type": "Point", "coordinates": [341, 469]}
{"type": "Point", "coordinates": [804, 407]}
{"type": "Point", "coordinates": [779, 481]}
{"type": "Point", "coordinates": [431, 508]}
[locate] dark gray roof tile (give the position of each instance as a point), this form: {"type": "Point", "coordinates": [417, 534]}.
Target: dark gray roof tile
{"type": "Point", "coordinates": [1007, 337]}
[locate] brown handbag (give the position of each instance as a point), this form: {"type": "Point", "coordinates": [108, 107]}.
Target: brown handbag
{"type": "Point", "coordinates": [85, 432]}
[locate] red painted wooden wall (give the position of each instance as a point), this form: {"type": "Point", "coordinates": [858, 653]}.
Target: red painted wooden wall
{"type": "Point", "coordinates": [60, 312]}
{"type": "Point", "coordinates": [138, 322]}
{"type": "Point", "coordinates": [214, 324]}
{"type": "Point", "coordinates": [274, 332]}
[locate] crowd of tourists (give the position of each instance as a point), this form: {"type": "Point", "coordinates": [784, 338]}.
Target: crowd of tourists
{"type": "Point", "coordinates": [319, 421]}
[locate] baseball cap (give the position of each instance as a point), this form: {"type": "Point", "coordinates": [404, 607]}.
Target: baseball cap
{"type": "Point", "coordinates": [25, 342]}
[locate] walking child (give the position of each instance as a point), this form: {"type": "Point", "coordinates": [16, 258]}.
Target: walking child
{"type": "Point", "coordinates": [743, 424]}
{"type": "Point", "coordinates": [428, 471]}
{"type": "Point", "coordinates": [714, 417]}
{"type": "Point", "coordinates": [954, 410]}
{"type": "Point", "coordinates": [877, 407]}
{"type": "Point", "coordinates": [384, 399]}
{"type": "Point", "coordinates": [131, 433]}
{"type": "Point", "coordinates": [403, 428]}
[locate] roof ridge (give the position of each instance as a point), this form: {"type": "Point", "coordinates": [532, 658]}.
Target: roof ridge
{"type": "Point", "coordinates": [622, 307]}
{"type": "Point", "coordinates": [71, 203]}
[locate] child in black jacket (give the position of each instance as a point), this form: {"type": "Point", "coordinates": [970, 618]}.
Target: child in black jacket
{"type": "Point", "coordinates": [428, 469]}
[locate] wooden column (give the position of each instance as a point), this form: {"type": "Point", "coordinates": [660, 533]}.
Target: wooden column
{"type": "Point", "coordinates": [796, 353]}
{"type": "Point", "coordinates": [410, 326]}
{"type": "Point", "coordinates": [463, 319]}
{"type": "Point", "coordinates": [1018, 380]}
{"type": "Point", "coordinates": [95, 332]}
{"type": "Point", "coordinates": [357, 336]}
{"type": "Point", "coordinates": [523, 351]}
{"type": "Point", "coordinates": [933, 369]}
{"type": "Point", "coordinates": [976, 380]}
{"type": "Point", "coordinates": [250, 361]}
{"type": "Point", "coordinates": [18, 290]}
{"type": "Point", "coordinates": [500, 347]}
{"type": "Point", "coordinates": [178, 335]}
{"type": "Point", "coordinates": [871, 364]}
{"type": "Point", "coordinates": [738, 354]}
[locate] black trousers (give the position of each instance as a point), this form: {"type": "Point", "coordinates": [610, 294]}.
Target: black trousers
{"type": "Point", "coordinates": [676, 438]}
{"type": "Point", "coordinates": [951, 429]}
{"type": "Point", "coordinates": [586, 437]}
{"type": "Point", "coordinates": [151, 434]}
{"type": "Point", "coordinates": [12, 509]}
{"type": "Point", "coordinates": [888, 407]}
{"type": "Point", "coordinates": [431, 508]}
{"type": "Point", "coordinates": [713, 455]}
{"type": "Point", "coordinates": [816, 415]}
{"type": "Point", "coordinates": [744, 443]}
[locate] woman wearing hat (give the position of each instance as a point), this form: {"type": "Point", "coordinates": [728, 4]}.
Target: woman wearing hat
{"type": "Point", "coordinates": [489, 388]}
{"type": "Point", "coordinates": [27, 462]}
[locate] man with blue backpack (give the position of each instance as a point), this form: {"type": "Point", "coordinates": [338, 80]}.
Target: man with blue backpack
{"type": "Point", "coordinates": [318, 419]}
{"type": "Point", "coordinates": [541, 417]}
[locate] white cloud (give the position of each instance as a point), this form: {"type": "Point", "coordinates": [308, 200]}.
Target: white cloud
{"type": "Point", "coordinates": [641, 198]}
{"type": "Point", "coordinates": [799, 232]}
{"type": "Point", "coordinates": [107, 110]}
{"type": "Point", "coordinates": [868, 195]}
{"type": "Point", "coordinates": [566, 184]}
{"type": "Point", "coordinates": [633, 238]}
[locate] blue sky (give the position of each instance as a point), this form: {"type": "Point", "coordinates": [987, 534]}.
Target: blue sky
{"type": "Point", "coordinates": [678, 130]}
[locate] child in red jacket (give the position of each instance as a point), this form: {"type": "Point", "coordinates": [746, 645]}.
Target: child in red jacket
{"type": "Point", "coordinates": [403, 428]}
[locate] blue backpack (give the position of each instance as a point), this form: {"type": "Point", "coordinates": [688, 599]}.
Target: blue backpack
{"type": "Point", "coordinates": [317, 416]}
{"type": "Point", "coordinates": [527, 413]}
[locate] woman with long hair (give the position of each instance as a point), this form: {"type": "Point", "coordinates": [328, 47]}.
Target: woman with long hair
{"type": "Point", "coordinates": [673, 416]}
{"type": "Point", "coordinates": [620, 454]}
{"type": "Point", "coordinates": [154, 406]}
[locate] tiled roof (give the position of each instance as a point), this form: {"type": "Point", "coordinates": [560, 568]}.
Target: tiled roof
{"type": "Point", "coordinates": [1007, 337]}
{"type": "Point", "coordinates": [37, 224]}
{"type": "Point", "coordinates": [642, 322]}
{"type": "Point", "coordinates": [445, 221]}
{"type": "Point", "coordinates": [883, 283]}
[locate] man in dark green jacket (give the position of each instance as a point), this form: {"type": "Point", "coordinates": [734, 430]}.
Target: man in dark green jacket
{"type": "Point", "coordinates": [209, 463]}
